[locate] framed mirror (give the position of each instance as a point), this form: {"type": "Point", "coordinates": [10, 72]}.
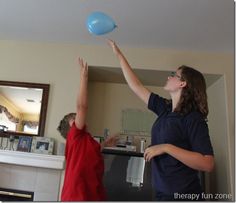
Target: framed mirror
{"type": "Point", "coordinates": [23, 108]}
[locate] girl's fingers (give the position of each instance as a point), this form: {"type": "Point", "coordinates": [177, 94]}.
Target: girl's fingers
{"type": "Point", "coordinates": [147, 155]}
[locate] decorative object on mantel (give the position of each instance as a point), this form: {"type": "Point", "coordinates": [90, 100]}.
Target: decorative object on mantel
{"type": "Point", "coordinates": [42, 145]}
{"type": "Point", "coordinates": [3, 128]}
{"type": "Point", "coordinates": [12, 140]}
{"type": "Point", "coordinates": [1, 142]}
{"type": "Point", "coordinates": [8, 143]}
{"type": "Point", "coordinates": [6, 146]}
{"type": "Point", "coordinates": [60, 150]}
{"type": "Point", "coordinates": [24, 144]}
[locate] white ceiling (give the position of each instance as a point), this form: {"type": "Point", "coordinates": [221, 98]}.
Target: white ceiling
{"type": "Point", "coordinates": [205, 25]}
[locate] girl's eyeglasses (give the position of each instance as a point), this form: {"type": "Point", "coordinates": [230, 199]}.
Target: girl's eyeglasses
{"type": "Point", "coordinates": [174, 74]}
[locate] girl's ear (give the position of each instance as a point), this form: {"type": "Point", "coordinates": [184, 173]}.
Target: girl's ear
{"type": "Point", "coordinates": [183, 83]}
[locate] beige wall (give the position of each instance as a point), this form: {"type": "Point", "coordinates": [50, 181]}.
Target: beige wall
{"type": "Point", "coordinates": [219, 179]}
{"type": "Point", "coordinates": [106, 102]}
{"type": "Point", "coordinates": [56, 64]}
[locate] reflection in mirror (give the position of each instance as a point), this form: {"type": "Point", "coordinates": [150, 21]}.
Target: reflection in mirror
{"type": "Point", "coordinates": [23, 108]}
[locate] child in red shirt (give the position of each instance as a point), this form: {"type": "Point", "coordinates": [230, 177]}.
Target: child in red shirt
{"type": "Point", "coordinates": [84, 162]}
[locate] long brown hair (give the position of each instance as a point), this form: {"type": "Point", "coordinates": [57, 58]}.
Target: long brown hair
{"type": "Point", "coordinates": [193, 96]}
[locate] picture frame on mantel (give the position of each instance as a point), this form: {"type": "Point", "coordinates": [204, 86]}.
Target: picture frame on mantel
{"type": "Point", "coordinates": [24, 144]}
{"type": "Point", "coordinates": [42, 145]}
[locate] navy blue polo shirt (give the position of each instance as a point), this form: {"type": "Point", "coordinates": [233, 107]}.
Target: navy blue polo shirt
{"type": "Point", "coordinates": [189, 132]}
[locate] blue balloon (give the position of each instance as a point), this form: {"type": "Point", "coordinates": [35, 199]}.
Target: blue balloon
{"type": "Point", "coordinates": [99, 23]}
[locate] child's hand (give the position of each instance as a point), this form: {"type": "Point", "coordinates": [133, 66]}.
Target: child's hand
{"type": "Point", "coordinates": [83, 68]}
{"type": "Point", "coordinates": [111, 140]}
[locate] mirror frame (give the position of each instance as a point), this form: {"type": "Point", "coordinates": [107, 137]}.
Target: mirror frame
{"type": "Point", "coordinates": [43, 110]}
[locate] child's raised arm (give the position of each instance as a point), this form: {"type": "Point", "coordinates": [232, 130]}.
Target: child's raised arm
{"type": "Point", "coordinates": [82, 103]}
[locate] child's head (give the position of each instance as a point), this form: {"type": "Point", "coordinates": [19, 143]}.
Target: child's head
{"type": "Point", "coordinates": [65, 124]}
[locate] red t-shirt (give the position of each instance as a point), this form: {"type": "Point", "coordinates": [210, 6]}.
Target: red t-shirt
{"type": "Point", "coordinates": [84, 168]}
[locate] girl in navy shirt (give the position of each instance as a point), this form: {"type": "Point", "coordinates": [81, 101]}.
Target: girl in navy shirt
{"type": "Point", "coordinates": [180, 145]}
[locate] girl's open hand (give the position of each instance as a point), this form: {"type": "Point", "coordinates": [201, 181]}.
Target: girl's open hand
{"type": "Point", "coordinates": [114, 47]}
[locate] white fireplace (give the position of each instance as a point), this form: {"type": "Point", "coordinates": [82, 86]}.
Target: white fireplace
{"type": "Point", "coordinates": [37, 173]}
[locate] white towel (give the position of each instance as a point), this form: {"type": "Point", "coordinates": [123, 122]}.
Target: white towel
{"type": "Point", "coordinates": [135, 171]}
